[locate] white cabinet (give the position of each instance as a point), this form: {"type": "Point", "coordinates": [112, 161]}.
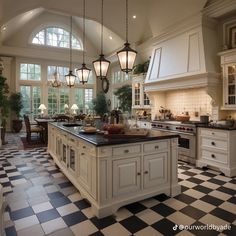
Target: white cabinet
{"type": "Point", "coordinates": [228, 64]}
{"type": "Point", "coordinates": [216, 148]}
{"type": "Point", "coordinates": [139, 97]}
{"type": "Point", "coordinates": [126, 176]}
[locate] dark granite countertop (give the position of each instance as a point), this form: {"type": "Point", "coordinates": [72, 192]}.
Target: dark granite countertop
{"type": "Point", "coordinates": [217, 126]}
{"type": "Point", "coordinates": [100, 140]}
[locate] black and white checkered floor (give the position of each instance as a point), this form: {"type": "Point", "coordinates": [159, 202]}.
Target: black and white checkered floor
{"type": "Point", "coordinates": [41, 201]}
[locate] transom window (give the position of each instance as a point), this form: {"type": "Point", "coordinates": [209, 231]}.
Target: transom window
{"type": "Point", "coordinates": [56, 37]}
{"type": "Point", "coordinates": [30, 72]}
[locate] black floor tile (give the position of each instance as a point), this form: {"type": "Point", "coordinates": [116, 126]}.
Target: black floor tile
{"type": "Point", "coordinates": [74, 218]}
{"type": "Point", "coordinates": [16, 177]}
{"type": "Point", "coordinates": [65, 185]}
{"type": "Point", "coordinates": [185, 198]}
{"type": "Point", "coordinates": [216, 181]}
{"type": "Point", "coordinates": [133, 224]}
{"type": "Point", "coordinates": [193, 212]}
{"type": "Point", "coordinates": [165, 227]}
{"type": "Point", "coordinates": [212, 200]}
{"type": "Point", "coordinates": [104, 222]}
{"type": "Point", "coordinates": [55, 195]}
{"type": "Point", "coordinates": [22, 213]}
{"type": "Point", "coordinates": [11, 231]}
{"type": "Point", "coordinates": [47, 215]}
{"type": "Point", "coordinates": [189, 173]}
{"type": "Point", "coordinates": [135, 207]}
{"type": "Point", "coordinates": [163, 209]}
{"type": "Point", "coordinates": [222, 214]}
{"type": "Point", "coordinates": [227, 190]}
{"type": "Point", "coordinates": [58, 202]}
{"type": "Point", "coordinates": [231, 231]}
{"type": "Point", "coordinates": [11, 170]}
{"type": "Point", "coordinates": [232, 200]}
{"type": "Point", "coordinates": [202, 189]}
{"type": "Point", "coordinates": [82, 204]}
{"type": "Point", "coordinates": [195, 180]}
{"type": "Point", "coordinates": [98, 233]}
{"type": "Point", "coordinates": [161, 197]}
{"type": "Point", "coordinates": [208, 174]}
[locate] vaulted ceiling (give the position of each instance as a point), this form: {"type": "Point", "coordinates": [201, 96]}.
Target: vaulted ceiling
{"type": "Point", "coordinates": [152, 17]}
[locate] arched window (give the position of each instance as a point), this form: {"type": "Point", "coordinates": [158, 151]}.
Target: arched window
{"type": "Point", "coordinates": [56, 37]}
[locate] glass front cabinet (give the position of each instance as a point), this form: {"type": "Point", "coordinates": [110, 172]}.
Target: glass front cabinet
{"type": "Point", "coordinates": [139, 97]}
{"type": "Point", "coordinates": [228, 65]}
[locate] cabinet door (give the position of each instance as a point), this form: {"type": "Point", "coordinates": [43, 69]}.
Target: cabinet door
{"type": "Point", "coordinates": [64, 153]}
{"type": "Point", "coordinates": [85, 170]}
{"type": "Point", "coordinates": [58, 147]}
{"type": "Point", "coordinates": [72, 160]}
{"type": "Point", "coordinates": [155, 169]}
{"type": "Point", "coordinates": [230, 85]}
{"type": "Point", "coordinates": [136, 94]}
{"type": "Point", "coordinates": [126, 176]}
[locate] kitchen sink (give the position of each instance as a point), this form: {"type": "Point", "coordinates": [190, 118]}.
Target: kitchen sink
{"type": "Point", "coordinates": [71, 124]}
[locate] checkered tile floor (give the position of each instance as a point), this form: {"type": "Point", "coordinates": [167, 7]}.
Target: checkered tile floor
{"type": "Point", "coordinates": [41, 201]}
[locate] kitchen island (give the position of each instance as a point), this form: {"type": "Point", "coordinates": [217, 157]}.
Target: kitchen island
{"type": "Point", "coordinates": [111, 172]}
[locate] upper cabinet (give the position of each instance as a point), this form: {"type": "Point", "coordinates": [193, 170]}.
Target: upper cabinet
{"type": "Point", "coordinates": [228, 63]}
{"type": "Point", "coordinates": [139, 97]}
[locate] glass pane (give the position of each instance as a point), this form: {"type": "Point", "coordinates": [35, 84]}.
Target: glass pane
{"type": "Point", "coordinates": [36, 100]}
{"type": "Point", "coordinates": [25, 92]}
{"type": "Point", "coordinates": [52, 101]}
{"type": "Point", "coordinates": [88, 97]}
{"type": "Point", "coordinates": [79, 99]}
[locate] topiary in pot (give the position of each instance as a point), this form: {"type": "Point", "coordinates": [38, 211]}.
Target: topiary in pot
{"type": "Point", "coordinates": [124, 95]}
{"type": "Point", "coordinates": [4, 106]}
{"type": "Point", "coordinates": [100, 104]}
{"type": "Point", "coordinates": [16, 104]}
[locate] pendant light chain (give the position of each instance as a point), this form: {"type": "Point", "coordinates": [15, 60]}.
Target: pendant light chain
{"type": "Point", "coordinates": [70, 43]}
{"type": "Point", "coordinates": [83, 31]}
{"type": "Point", "coordinates": [102, 28]}
{"type": "Point", "coordinates": [127, 24]}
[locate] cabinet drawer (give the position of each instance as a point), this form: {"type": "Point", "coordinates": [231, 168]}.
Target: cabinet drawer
{"type": "Point", "coordinates": [214, 156]}
{"type": "Point", "coordinates": [214, 133]}
{"type": "Point", "coordinates": [87, 148]}
{"type": "Point", "coordinates": [126, 150]}
{"type": "Point", "coordinates": [155, 147]}
{"type": "Point", "coordinates": [104, 151]}
{"type": "Point", "coordinates": [215, 144]}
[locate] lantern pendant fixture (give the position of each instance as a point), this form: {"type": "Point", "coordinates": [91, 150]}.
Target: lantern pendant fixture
{"type": "Point", "coordinates": [56, 81]}
{"type": "Point", "coordinates": [83, 72]}
{"type": "Point", "coordinates": [126, 55]}
{"type": "Point", "coordinates": [101, 65]}
{"type": "Point", "coordinates": [70, 78]}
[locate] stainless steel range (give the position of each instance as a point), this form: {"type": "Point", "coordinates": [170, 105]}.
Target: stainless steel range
{"type": "Point", "coordinates": [187, 139]}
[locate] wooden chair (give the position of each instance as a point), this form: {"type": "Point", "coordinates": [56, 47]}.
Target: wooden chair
{"type": "Point", "coordinates": [33, 129]}
{"type": "Point", "coordinates": [79, 117]}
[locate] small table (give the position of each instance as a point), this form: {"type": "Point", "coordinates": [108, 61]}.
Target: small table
{"type": "Point", "coordinates": [44, 123]}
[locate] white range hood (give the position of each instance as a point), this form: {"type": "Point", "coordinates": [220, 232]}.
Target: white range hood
{"type": "Point", "coordinates": [184, 60]}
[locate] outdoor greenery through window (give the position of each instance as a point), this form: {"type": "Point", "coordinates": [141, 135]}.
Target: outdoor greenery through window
{"type": "Point", "coordinates": [56, 37]}
{"type": "Point", "coordinates": [30, 72]}
{"type": "Point", "coordinates": [62, 71]}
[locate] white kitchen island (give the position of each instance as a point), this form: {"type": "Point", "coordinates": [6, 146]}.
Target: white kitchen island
{"type": "Point", "coordinates": [111, 173]}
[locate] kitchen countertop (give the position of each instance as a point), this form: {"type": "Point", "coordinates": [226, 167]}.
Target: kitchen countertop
{"type": "Point", "coordinates": [217, 126]}
{"type": "Point", "coordinates": [100, 140]}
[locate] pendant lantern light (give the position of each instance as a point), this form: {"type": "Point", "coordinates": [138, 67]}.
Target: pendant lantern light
{"type": "Point", "coordinates": [83, 72]}
{"type": "Point", "coordinates": [70, 78]}
{"type": "Point", "coordinates": [101, 65]}
{"type": "Point", "coordinates": [126, 55]}
{"type": "Point", "coordinates": [56, 81]}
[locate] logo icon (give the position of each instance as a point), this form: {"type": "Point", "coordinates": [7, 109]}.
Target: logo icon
{"type": "Point", "coordinates": [175, 227]}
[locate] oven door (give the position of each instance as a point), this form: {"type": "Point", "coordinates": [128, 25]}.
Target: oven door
{"type": "Point", "coordinates": [187, 145]}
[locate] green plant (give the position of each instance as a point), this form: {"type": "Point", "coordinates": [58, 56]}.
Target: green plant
{"type": "Point", "coordinates": [141, 68]}
{"type": "Point", "coordinates": [100, 104]}
{"type": "Point", "coordinates": [124, 94]}
{"type": "Point", "coordinates": [4, 101]}
{"type": "Point", "coordinates": [16, 103]}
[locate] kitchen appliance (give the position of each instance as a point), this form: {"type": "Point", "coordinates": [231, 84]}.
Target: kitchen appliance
{"type": "Point", "coordinates": [204, 119]}
{"type": "Point", "coordinates": [187, 140]}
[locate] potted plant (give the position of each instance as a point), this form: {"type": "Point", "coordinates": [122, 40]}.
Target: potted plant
{"type": "Point", "coordinates": [100, 104]}
{"type": "Point", "coordinates": [4, 106]}
{"type": "Point", "coordinates": [16, 104]}
{"type": "Point", "coordinates": [124, 94]}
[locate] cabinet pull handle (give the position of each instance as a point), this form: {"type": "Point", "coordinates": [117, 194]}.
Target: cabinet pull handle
{"type": "Point", "coordinates": [213, 156]}
{"type": "Point", "coordinates": [213, 143]}
{"type": "Point", "coordinates": [145, 172]}
{"type": "Point", "coordinates": [84, 147]}
{"type": "Point", "coordinates": [138, 173]}
{"type": "Point", "coordinates": [156, 147]}
{"type": "Point", "coordinates": [126, 151]}
{"type": "Point", "coordinates": [82, 153]}
{"type": "Point", "coordinates": [212, 133]}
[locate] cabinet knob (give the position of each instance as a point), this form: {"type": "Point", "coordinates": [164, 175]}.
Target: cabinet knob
{"type": "Point", "coordinates": [145, 172]}
{"type": "Point", "coordinates": [212, 133]}
{"type": "Point", "coordinates": [213, 156]}
{"type": "Point", "coordinates": [138, 173]}
{"type": "Point", "coordinates": [156, 147]}
{"type": "Point", "coordinates": [226, 103]}
{"type": "Point", "coordinates": [84, 147]}
{"type": "Point", "coordinates": [213, 143]}
{"type": "Point", "coordinates": [82, 153]}
{"type": "Point", "coordinates": [126, 151]}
